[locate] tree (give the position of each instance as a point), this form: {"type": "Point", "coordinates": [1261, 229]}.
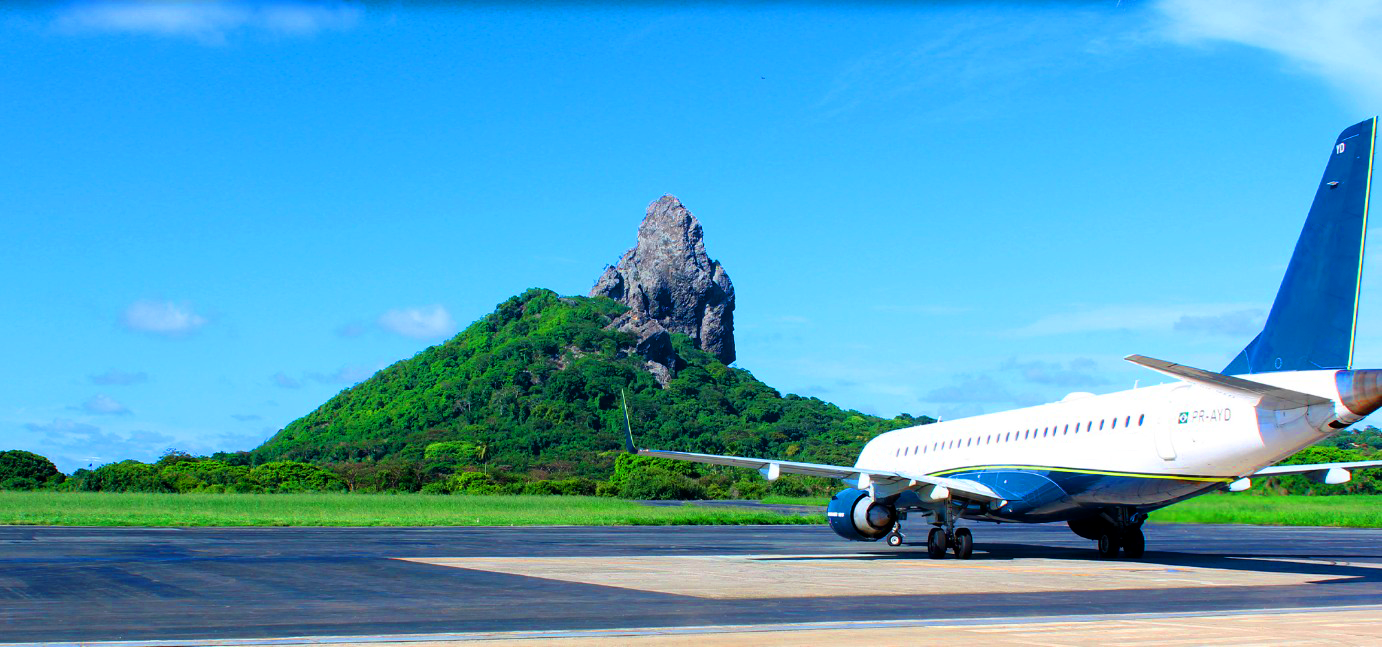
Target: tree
{"type": "Point", "coordinates": [26, 470]}
{"type": "Point", "coordinates": [292, 476]}
{"type": "Point", "coordinates": [129, 476]}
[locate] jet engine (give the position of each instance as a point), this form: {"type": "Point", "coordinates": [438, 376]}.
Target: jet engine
{"type": "Point", "coordinates": [856, 516]}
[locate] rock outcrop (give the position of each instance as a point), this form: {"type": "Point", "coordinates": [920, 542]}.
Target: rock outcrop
{"type": "Point", "coordinates": [671, 286]}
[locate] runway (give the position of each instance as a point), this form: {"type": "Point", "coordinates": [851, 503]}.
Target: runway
{"type": "Point", "coordinates": [391, 584]}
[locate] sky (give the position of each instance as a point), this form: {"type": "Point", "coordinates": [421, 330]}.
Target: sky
{"type": "Point", "coordinates": [217, 215]}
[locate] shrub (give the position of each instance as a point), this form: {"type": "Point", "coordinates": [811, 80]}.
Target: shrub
{"type": "Point", "coordinates": [472, 483]}
{"type": "Point", "coordinates": [127, 476]}
{"type": "Point", "coordinates": [19, 483]}
{"type": "Point", "coordinates": [292, 476]}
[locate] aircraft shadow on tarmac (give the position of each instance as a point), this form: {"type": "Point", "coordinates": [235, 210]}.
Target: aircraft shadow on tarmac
{"type": "Point", "coordinates": [1312, 564]}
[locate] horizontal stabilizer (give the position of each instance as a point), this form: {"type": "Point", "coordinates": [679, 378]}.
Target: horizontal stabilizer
{"type": "Point", "coordinates": [960, 488]}
{"type": "Point", "coordinates": [1273, 397]}
{"type": "Point", "coordinates": [1277, 470]}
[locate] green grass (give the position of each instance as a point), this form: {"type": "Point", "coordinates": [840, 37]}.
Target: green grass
{"type": "Point", "coordinates": [110, 509]}
{"type": "Point", "coordinates": [797, 500]}
{"type": "Point", "coordinates": [1352, 510]}
{"type": "Point", "coordinates": [131, 509]}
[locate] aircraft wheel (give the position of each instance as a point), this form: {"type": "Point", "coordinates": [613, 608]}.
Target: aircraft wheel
{"type": "Point", "coordinates": [1134, 543]}
{"type": "Point", "coordinates": [1108, 545]}
{"type": "Point", "coordinates": [964, 543]}
{"type": "Point", "coordinates": [894, 540]}
{"type": "Point", "coordinates": [935, 543]}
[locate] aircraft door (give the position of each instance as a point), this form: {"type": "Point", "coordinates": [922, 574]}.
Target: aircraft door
{"type": "Point", "coordinates": [1165, 447]}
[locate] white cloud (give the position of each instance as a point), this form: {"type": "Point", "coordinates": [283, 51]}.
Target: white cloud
{"type": "Point", "coordinates": [428, 322]}
{"type": "Point", "coordinates": [162, 318]}
{"type": "Point", "coordinates": [119, 378]}
{"type": "Point", "coordinates": [207, 22]}
{"type": "Point", "coordinates": [1337, 40]}
{"type": "Point", "coordinates": [104, 405]}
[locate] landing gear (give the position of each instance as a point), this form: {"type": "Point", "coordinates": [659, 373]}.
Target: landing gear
{"type": "Point", "coordinates": [945, 535]}
{"type": "Point", "coordinates": [1114, 529]}
{"type": "Point", "coordinates": [935, 543]}
{"type": "Point", "coordinates": [895, 537]}
{"type": "Point", "coordinates": [964, 543]}
{"type": "Point", "coordinates": [1134, 543]}
{"type": "Point", "coordinates": [1108, 544]}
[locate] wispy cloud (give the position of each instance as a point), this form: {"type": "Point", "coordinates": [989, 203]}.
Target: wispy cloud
{"type": "Point", "coordinates": [1239, 323]}
{"type": "Point", "coordinates": [1339, 41]}
{"type": "Point", "coordinates": [352, 329]}
{"type": "Point", "coordinates": [1078, 372]}
{"type": "Point", "coordinates": [116, 377]}
{"type": "Point", "coordinates": [283, 380]}
{"type": "Point", "coordinates": [72, 444]}
{"type": "Point", "coordinates": [104, 405]}
{"type": "Point", "coordinates": [427, 322]}
{"type": "Point", "coordinates": [978, 389]}
{"type": "Point", "coordinates": [1125, 318]}
{"type": "Point", "coordinates": [162, 318]}
{"type": "Point", "coordinates": [210, 22]}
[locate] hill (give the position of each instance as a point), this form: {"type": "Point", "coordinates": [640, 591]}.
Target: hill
{"type": "Point", "coordinates": [532, 389]}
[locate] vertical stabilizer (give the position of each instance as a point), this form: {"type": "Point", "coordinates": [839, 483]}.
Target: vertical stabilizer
{"type": "Point", "coordinates": [1312, 322]}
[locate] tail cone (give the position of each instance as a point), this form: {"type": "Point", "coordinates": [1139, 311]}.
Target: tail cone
{"type": "Point", "coordinates": [1360, 391]}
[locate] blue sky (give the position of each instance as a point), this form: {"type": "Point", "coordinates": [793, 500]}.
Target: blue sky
{"type": "Point", "coordinates": [220, 214]}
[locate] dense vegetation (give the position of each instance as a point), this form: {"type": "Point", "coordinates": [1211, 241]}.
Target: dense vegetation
{"type": "Point", "coordinates": [527, 401]}
{"type": "Point", "coordinates": [21, 470]}
{"type": "Point", "coordinates": [531, 393]}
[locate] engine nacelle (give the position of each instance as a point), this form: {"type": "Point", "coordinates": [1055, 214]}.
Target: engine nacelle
{"type": "Point", "coordinates": [854, 515]}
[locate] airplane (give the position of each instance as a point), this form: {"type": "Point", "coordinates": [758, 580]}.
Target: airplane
{"type": "Point", "coordinates": [1100, 463]}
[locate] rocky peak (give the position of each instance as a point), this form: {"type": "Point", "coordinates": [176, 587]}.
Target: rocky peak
{"type": "Point", "coordinates": [671, 285]}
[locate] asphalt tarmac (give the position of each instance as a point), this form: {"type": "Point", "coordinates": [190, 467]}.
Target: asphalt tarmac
{"type": "Point", "coordinates": [102, 584]}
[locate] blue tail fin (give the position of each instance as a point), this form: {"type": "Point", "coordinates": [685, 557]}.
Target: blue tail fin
{"type": "Point", "coordinates": [1311, 325]}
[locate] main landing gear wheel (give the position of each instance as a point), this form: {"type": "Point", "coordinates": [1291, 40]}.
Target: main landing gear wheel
{"type": "Point", "coordinates": [1108, 545]}
{"type": "Point", "coordinates": [894, 540]}
{"type": "Point", "coordinates": [964, 543]}
{"type": "Point", "coordinates": [1134, 543]}
{"type": "Point", "coordinates": [935, 543]}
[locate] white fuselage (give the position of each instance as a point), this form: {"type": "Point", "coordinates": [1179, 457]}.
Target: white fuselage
{"type": "Point", "coordinates": [1178, 430]}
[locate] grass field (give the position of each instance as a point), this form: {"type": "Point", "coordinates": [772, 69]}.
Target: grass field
{"type": "Point", "coordinates": [108, 509]}
{"type": "Point", "coordinates": [1352, 511]}
{"type": "Point", "coordinates": [113, 509]}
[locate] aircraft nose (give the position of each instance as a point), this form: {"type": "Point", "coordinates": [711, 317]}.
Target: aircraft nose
{"type": "Point", "coordinates": [1360, 391]}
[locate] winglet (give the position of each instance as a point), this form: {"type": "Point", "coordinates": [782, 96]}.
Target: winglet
{"type": "Point", "coordinates": [1273, 397]}
{"type": "Point", "coordinates": [628, 429]}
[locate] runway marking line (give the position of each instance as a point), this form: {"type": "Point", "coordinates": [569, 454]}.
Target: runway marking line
{"type": "Point", "coordinates": [1043, 625]}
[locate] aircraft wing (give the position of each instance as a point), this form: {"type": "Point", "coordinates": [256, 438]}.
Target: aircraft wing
{"type": "Point", "coordinates": [959, 488]}
{"type": "Point", "coordinates": [1316, 467]}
